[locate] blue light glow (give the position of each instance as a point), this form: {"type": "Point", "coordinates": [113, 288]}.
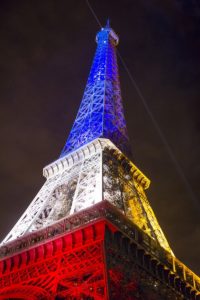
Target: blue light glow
{"type": "Point", "coordinates": [101, 112]}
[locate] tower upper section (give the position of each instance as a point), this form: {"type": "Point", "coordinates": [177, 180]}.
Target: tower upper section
{"type": "Point", "coordinates": [92, 168]}
{"type": "Point", "coordinates": [101, 111]}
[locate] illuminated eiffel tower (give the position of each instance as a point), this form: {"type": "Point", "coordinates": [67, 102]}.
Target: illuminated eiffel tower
{"type": "Point", "coordinates": [90, 233]}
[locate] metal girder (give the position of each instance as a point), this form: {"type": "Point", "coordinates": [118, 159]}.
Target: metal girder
{"type": "Point", "coordinates": [104, 174]}
{"type": "Point", "coordinates": [96, 262]}
{"type": "Point", "coordinates": [69, 267]}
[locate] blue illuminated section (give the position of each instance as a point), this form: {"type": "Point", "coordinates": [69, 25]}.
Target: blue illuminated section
{"type": "Point", "coordinates": [101, 113]}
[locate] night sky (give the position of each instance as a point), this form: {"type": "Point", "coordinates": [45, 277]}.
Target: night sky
{"type": "Point", "coordinates": [46, 50]}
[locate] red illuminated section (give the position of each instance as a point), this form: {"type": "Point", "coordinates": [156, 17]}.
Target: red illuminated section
{"type": "Point", "coordinates": [70, 267]}
{"type": "Point", "coordinates": [95, 261]}
{"type": "Point", "coordinates": [96, 254]}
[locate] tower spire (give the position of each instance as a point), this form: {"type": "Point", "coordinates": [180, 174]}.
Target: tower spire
{"type": "Point", "coordinates": [101, 113]}
{"type": "Point", "coordinates": [108, 23]}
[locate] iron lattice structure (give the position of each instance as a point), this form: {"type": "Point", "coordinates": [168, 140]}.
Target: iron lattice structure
{"type": "Point", "coordinates": [101, 111]}
{"type": "Point", "coordinates": [90, 233]}
{"type": "Point", "coordinates": [95, 254]}
{"type": "Point", "coordinates": [96, 172]}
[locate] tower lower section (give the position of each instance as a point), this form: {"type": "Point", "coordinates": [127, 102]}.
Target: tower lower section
{"type": "Point", "coordinates": [96, 254]}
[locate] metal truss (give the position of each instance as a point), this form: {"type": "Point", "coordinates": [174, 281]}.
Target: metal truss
{"type": "Point", "coordinates": [101, 173]}
{"type": "Point", "coordinates": [97, 261]}
{"type": "Point", "coordinates": [12, 253]}
{"type": "Point", "coordinates": [133, 275]}
{"type": "Point", "coordinates": [76, 186]}
{"type": "Point", "coordinates": [128, 194]}
{"type": "Point", "coordinates": [101, 112]}
{"type": "Point", "coordinates": [70, 267]}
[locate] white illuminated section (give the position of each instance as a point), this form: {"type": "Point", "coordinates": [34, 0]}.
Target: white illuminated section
{"type": "Point", "coordinates": [73, 183]}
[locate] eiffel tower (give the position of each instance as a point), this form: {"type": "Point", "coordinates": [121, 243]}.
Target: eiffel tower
{"type": "Point", "coordinates": [90, 232]}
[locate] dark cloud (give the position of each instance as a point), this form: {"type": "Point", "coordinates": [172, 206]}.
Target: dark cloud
{"type": "Point", "coordinates": [46, 51]}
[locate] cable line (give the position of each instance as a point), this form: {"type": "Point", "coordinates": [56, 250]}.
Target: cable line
{"type": "Point", "coordinates": [168, 148]}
